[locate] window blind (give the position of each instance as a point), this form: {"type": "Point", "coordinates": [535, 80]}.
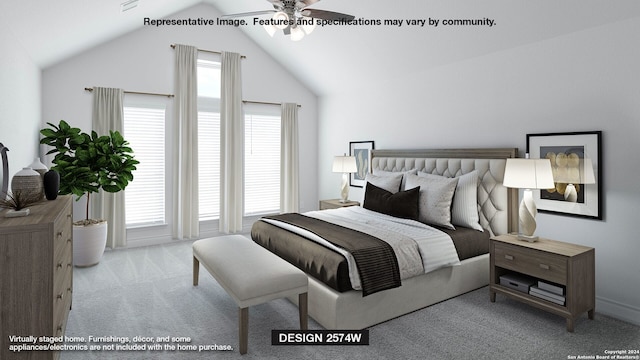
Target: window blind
{"type": "Point", "coordinates": [144, 128]}
{"type": "Point", "coordinates": [262, 164]}
{"type": "Point", "coordinates": [209, 165]}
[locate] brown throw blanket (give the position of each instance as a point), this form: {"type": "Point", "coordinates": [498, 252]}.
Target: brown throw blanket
{"type": "Point", "coordinates": [376, 260]}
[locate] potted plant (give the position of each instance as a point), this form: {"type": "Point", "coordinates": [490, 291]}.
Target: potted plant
{"type": "Point", "coordinates": [87, 163]}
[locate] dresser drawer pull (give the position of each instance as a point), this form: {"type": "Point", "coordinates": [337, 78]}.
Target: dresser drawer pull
{"type": "Point", "coordinates": [59, 266]}
{"type": "Point", "coordinates": [508, 257]}
{"type": "Point", "coordinates": [60, 296]}
{"type": "Point", "coordinates": [59, 234]}
{"type": "Point", "coordinates": [544, 266]}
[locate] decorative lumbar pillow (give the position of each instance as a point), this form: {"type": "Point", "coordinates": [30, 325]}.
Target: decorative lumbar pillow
{"type": "Point", "coordinates": [402, 204]}
{"type": "Point", "coordinates": [464, 208]}
{"type": "Point", "coordinates": [379, 172]}
{"type": "Point", "coordinates": [390, 182]}
{"type": "Point", "coordinates": [436, 194]}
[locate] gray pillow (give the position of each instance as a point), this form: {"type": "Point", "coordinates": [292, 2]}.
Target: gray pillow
{"type": "Point", "coordinates": [436, 194]}
{"type": "Point", "coordinates": [464, 208]}
{"type": "Point", "coordinates": [390, 182]}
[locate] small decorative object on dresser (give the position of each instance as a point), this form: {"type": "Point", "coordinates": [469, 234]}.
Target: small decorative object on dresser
{"type": "Point", "coordinates": [36, 285]}
{"type": "Point", "coordinates": [51, 184]}
{"type": "Point", "coordinates": [563, 275]}
{"type": "Point", "coordinates": [336, 203]}
{"type": "Point", "coordinates": [28, 182]}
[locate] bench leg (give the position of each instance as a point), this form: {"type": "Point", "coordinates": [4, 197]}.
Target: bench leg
{"type": "Point", "coordinates": [302, 308]}
{"type": "Point", "coordinates": [196, 271]}
{"type": "Point", "coordinates": [243, 330]}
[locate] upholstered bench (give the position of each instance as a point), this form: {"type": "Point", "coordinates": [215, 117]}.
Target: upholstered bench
{"type": "Point", "coordinates": [251, 275]}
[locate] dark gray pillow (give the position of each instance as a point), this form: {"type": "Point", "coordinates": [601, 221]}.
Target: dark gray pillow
{"type": "Point", "coordinates": [403, 204]}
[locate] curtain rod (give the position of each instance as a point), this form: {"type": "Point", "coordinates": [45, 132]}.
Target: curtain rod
{"type": "Point", "coordinates": [139, 92]}
{"type": "Point", "coordinates": [264, 103]}
{"type": "Point", "coordinates": [209, 51]}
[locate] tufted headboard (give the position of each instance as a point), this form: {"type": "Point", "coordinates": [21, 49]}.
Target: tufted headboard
{"type": "Point", "coordinates": [497, 205]}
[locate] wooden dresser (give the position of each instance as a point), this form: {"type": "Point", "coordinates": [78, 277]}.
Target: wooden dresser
{"type": "Point", "coordinates": [36, 269]}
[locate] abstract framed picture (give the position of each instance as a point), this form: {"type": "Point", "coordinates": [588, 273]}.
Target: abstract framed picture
{"type": "Point", "coordinates": [361, 150]}
{"type": "Point", "coordinates": [576, 162]}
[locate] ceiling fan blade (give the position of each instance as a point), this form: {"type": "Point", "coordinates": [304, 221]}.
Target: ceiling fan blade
{"type": "Point", "coordinates": [308, 2]}
{"type": "Point", "coordinates": [253, 13]}
{"type": "Point", "coordinates": [328, 15]}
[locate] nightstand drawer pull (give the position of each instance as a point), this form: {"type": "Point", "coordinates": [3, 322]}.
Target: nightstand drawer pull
{"type": "Point", "coordinates": [544, 266]}
{"type": "Point", "coordinates": [508, 257]}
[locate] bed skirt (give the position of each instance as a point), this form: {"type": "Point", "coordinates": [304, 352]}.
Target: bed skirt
{"type": "Point", "coordinates": [350, 311]}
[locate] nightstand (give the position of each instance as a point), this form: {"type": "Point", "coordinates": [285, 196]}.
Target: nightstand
{"type": "Point", "coordinates": [335, 203]}
{"type": "Point", "coordinates": [567, 268]}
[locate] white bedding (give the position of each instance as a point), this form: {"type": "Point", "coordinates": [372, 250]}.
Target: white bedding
{"type": "Point", "coordinates": [419, 248]}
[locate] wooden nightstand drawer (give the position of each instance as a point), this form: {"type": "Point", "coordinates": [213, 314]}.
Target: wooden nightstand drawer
{"type": "Point", "coordinates": [537, 263]}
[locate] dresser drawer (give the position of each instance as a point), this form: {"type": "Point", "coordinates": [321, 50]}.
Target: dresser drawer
{"type": "Point", "coordinates": [62, 299]}
{"type": "Point", "coordinates": [540, 264]}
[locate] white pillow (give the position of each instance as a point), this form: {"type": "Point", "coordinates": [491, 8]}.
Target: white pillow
{"type": "Point", "coordinates": [393, 173]}
{"type": "Point", "coordinates": [436, 194]}
{"type": "Point", "coordinates": [390, 182]}
{"type": "Point", "coordinates": [464, 208]}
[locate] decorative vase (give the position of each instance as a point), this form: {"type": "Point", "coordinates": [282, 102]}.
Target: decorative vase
{"type": "Point", "coordinates": [28, 182]}
{"type": "Point", "coordinates": [39, 167]}
{"type": "Point", "coordinates": [51, 184]}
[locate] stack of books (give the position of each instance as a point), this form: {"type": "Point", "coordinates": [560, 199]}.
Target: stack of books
{"type": "Point", "coordinates": [548, 291]}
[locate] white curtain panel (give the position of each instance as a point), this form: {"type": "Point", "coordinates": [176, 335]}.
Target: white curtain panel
{"type": "Point", "coordinates": [289, 163]}
{"type": "Point", "coordinates": [108, 115]}
{"type": "Point", "coordinates": [185, 178]}
{"type": "Point", "coordinates": [231, 144]}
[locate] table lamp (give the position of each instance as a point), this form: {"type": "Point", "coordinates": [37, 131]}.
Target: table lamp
{"type": "Point", "coordinates": [345, 165]}
{"type": "Point", "coordinates": [528, 174]}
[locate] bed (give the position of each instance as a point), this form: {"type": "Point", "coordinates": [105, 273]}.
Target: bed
{"type": "Point", "coordinates": [333, 301]}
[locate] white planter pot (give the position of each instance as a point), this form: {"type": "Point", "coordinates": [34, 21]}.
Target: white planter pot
{"type": "Point", "coordinates": [89, 242]}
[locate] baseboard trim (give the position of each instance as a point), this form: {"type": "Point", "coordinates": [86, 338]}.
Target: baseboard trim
{"type": "Point", "coordinates": [618, 310]}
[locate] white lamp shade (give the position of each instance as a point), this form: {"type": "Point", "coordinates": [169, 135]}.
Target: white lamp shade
{"type": "Point", "coordinates": [528, 174]}
{"type": "Point", "coordinates": [296, 33]}
{"type": "Point", "coordinates": [580, 172]}
{"type": "Point", "coordinates": [308, 25]}
{"type": "Point", "coordinates": [270, 29]}
{"type": "Point", "coordinates": [344, 164]}
{"type": "Point", "coordinates": [282, 20]}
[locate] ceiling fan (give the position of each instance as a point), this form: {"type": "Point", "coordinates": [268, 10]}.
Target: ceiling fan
{"type": "Point", "coordinates": [293, 17]}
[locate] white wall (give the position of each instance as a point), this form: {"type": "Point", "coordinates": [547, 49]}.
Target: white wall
{"type": "Point", "coordinates": [20, 105]}
{"type": "Point", "coordinates": [143, 61]}
{"type": "Point", "coordinates": [583, 81]}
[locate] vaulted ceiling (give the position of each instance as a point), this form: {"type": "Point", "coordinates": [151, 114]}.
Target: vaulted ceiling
{"type": "Point", "coordinates": [332, 57]}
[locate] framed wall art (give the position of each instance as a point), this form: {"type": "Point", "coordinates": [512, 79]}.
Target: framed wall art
{"type": "Point", "coordinates": [361, 150]}
{"type": "Point", "coordinates": [576, 161]}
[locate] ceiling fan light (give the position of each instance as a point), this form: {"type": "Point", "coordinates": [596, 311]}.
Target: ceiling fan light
{"type": "Point", "coordinates": [308, 25]}
{"type": "Point", "coordinates": [270, 29]}
{"type": "Point", "coordinates": [281, 20]}
{"type": "Point", "coordinates": [296, 33]}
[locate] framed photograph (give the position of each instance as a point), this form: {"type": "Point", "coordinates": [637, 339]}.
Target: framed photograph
{"type": "Point", "coordinates": [576, 161]}
{"type": "Point", "coordinates": [362, 152]}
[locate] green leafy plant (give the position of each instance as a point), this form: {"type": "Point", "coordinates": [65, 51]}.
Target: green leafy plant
{"type": "Point", "coordinates": [89, 162]}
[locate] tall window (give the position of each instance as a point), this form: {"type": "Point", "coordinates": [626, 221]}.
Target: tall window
{"type": "Point", "coordinates": [209, 139]}
{"type": "Point", "coordinates": [261, 163]}
{"type": "Point", "coordinates": [144, 128]}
